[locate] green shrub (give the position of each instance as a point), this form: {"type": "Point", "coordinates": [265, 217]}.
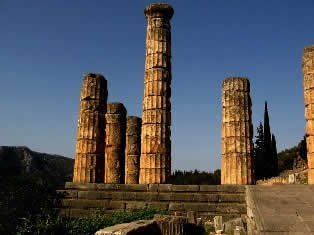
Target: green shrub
{"type": "Point", "coordinates": [85, 225]}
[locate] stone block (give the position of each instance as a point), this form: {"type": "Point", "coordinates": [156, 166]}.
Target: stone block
{"type": "Point", "coordinates": [191, 215]}
{"type": "Point", "coordinates": [231, 188]}
{"type": "Point", "coordinates": [88, 195]}
{"type": "Point", "coordinates": [200, 207]}
{"type": "Point", "coordinates": [157, 74]}
{"type": "Point", "coordinates": [185, 188]}
{"type": "Point", "coordinates": [228, 208]}
{"type": "Point", "coordinates": [81, 186]}
{"type": "Point", "coordinates": [156, 88]}
{"type": "Point", "coordinates": [166, 196]}
{"type": "Point", "coordinates": [153, 187]}
{"type": "Point", "coordinates": [156, 116]}
{"type": "Point", "coordinates": [173, 206]}
{"type": "Point", "coordinates": [109, 187]}
{"type": "Point", "coordinates": [134, 187]}
{"type": "Point", "coordinates": [135, 205]}
{"type": "Point", "coordinates": [157, 60]}
{"type": "Point", "coordinates": [208, 188]}
{"type": "Point", "coordinates": [218, 223]}
{"type": "Point", "coordinates": [160, 205]}
{"type": "Point", "coordinates": [231, 198]}
{"type": "Point", "coordinates": [200, 197]}
{"type": "Point", "coordinates": [121, 205]}
{"type": "Point", "coordinates": [183, 197]}
{"type": "Point", "coordinates": [310, 176]}
{"type": "Point", "coordinates": [84, 203]}
{"type": "Point", "coordinates": [67, 193]}
{"type": "Point", "coordinates": [146, 196]}
{"type": "Point", "coordinates": [165, 187]}
{"type": "Point", "coordinates": [310, 144]}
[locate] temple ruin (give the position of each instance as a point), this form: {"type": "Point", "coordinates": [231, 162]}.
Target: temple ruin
{"type": "Point", "coordinates": [155, 162]}
{"type": "Point", "coordinates": [115, 143]}
{"type": "Point", "coordinates": [133, 149]}
{"type": "Point", "coordinates": [237, 165]}
{"type": "Point", "coordinates": [113, 149]}
{"type": "Point", "coordinates": [90, 145]}
{"type": "Point", "coordinates": [308, 74]}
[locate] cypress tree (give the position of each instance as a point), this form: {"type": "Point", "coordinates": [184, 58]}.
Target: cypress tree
{"type": "Point", "coordinates": [267, 145]}
{"type": "Point", "coordinates": [259, 153]}
{"type": "Point", "coordinates": [274, 153]}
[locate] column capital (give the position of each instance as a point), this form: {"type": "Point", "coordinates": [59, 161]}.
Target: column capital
{"type": "Point", "coordinates": [159, 10]}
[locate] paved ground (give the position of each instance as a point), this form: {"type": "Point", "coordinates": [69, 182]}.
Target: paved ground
{"type": "Point", "coordinates": [282, 209]}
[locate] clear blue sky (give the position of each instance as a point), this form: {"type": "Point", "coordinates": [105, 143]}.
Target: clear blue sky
{"type": "Point", "coordinates": [47, 46]}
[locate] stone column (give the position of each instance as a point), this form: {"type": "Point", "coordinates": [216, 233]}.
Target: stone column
{"type": "Point", "coordinates": [90, 145]}
{"type": "Point", "coordinates": [133, 150]}
{"type": "Point", "coordinates": [308, 74]}
{"type": "Point", "coordinates": [237, 132]}
{"type": "Point", "coordinates": [115, 143]}
{"type": "Point", "coordinates": [155, 162]}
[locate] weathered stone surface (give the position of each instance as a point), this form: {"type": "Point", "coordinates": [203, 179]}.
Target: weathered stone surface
{"type": "Point", "coordinates": [155, 162]}
{"type": "Point", "coordinates": [115, 143]}
{"type": "Point", "coordinates": [165, 225]}
{"type": "Point", "coordinates": [308, 81]}
{"type": "Point", "coordinates": [218, 223]}
{"type": "Point", "coordinates": [280, 209]}
{"type": "Point", "coordinates": [133, 150]}
{"type": "Point", "coordinates": [136, 227]}
{"type": "Point", "coordinates": [90, 147]}
{"type": "Point", "coordinates": [237, 132]}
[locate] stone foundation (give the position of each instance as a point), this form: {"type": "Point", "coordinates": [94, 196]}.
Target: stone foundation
{"type": "Point", "coordinates": [206, 201]}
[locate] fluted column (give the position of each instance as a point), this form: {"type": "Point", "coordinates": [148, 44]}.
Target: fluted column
{"type": "Point", "coordinates": [308, 82]}
{"type": "Point", "coordinates": [90, 145]}
{"type": "Point", "coordinates": [115, 143]}
{"type": "Point", "coordinates": [237, 132]}
{"type": "Point", "coordinates": [133, 150]}
{"type": "Point", "coordinates": [155, 162]}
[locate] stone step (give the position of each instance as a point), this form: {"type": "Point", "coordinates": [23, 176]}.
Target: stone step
{"type": "Point", "coordinates": [155, 187]}
{"type": "Point", "coordinates": [239, 208]}
{"type": "Point", "coordinates": [154, 196]}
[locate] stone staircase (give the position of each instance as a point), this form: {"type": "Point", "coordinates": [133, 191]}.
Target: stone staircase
{"type": "Point", "coordinates": [206, 201]}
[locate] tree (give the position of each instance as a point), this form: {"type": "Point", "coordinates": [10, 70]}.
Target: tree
{"type": "Point", "coordinates": [302, 148]}
{"type": "Point", "coordinates": [274, 153]}
{"type": "Point", "coordinates": [269, 171]}
{"type": "Point", "coordinates": [259, 153]}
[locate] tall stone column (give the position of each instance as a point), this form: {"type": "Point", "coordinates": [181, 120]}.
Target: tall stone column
{"type": "Point", "coordinates": [115, 143]}
{"type": "Point", "coordinates": [237, 132]}
{"type": "Point", "coordinates": [308, 82]}
{"type": "Point", "coordinates": [155, 162]}
{"type": "Point", "coordinates": [90, 144]}
{"type": "Point", "coordinates": [133, 149]}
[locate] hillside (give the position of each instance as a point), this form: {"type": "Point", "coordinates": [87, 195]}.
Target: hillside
{"type": "Point", "coordinates": [16, 161]}
{"type": "Point", "coordinates": [293, 158]}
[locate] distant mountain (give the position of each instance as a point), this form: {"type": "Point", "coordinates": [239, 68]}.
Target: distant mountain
{"type": "Point", "coordinates": [50, 168]}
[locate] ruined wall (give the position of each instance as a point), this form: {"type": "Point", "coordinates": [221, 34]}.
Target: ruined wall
{"type": "Point", "coordinates": [115, 143]}
{"type": "Point", "coordinates": [155, 162]}
{"type": "Point", "coordinates": [133, 150]}
{"type": "Point", "coordinates": [206, 201]}
{"type": "Point", "coordinates": [237, 132]}
{"type": "Point", "coordinates": [308, 74]}
{"type": "Point", "coordinates": [90, 142]}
